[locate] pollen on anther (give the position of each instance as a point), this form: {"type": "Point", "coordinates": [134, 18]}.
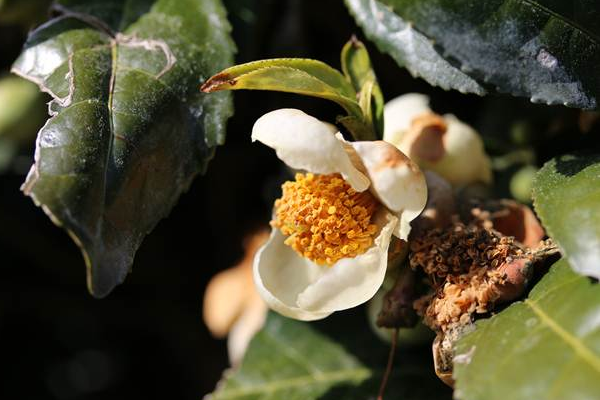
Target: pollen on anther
{"type": "Point", "coordinates": [324, 218]}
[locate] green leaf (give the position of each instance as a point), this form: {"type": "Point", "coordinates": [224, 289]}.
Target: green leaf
{"type": "Point", "coordinates": [128, 129]}
{"type": "Point", "coordinates": [293, 75]}
{"type": "Point", "coordinates": [566, 196]}
{"type": "Point", "coordinates": [546, 347]}
{"type": "Point", "coordinates": [356, 66]}
{"type": "Point", "coordinates": [291, 360]}
{"type": "Point", "coordinates": [409, 47]}
{"type": "Point", "coordinates": [547, 50]}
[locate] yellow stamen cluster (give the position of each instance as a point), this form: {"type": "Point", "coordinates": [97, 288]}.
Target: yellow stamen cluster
{"type": "Point", "coordinates": [325, 218]}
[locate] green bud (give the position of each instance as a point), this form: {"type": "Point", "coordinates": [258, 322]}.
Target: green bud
{"type": "Point", "coordinates": [521, 183]}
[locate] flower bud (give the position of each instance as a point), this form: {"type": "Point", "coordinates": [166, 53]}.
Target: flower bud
{"type": "Point", "coordinates": [521, 183]}
{"type": "Point", "coordinates": [443, 144]}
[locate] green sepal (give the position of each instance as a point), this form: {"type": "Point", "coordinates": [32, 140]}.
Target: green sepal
{"type": "Point", "coordinates": [356, 66]}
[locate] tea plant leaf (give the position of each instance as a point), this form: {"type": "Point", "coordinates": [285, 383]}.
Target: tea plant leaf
{"type": "Point", "coordinates": [566, 196]}
{"type": "Point", "coordinates": [547, 50]}
{"type": "Point", "coordinates": [293, 75]}
{"type": "Point", "coordinates": [291, 360]}
{"type": "Point", "coordinates": [409, 47]}
{"type": "Point", "coordinates": [128, 129]}
{"type": "Point", "coordinates": [545, 347]}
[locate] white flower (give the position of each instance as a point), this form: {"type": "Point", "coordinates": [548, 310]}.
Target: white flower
{"type": "Point", "coordinates": [332, 227]}
{"type": "Point", "coordinates": [443, 144]}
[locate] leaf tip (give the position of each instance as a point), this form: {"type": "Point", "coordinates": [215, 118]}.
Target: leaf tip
{"type": "Point", "coordinates": [218, 82]}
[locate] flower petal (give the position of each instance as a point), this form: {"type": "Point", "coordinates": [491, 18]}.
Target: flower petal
{"type": "Point", "coordinates": [298, 288]}
{"type": "Point", "coordinates": [461, 139]}
{"type": "Point", "coordinates": [304, 142]}
{"type": "Point", "coordinates": [399, 113]}
{"type": "Point", "coordinates": [249, 322]}
{"type": "Point", "coordinates": [280, 275]}
{"type": "Point", "coordinates": [351, 281]}
{"type": "Point", "coordinates": [396, 181]}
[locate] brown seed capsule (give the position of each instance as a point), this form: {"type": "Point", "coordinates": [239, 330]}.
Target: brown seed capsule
{"type": "Point", "coordinates": [510, 219]}
{"type": "Point", "coordinates": [470, 269]}
{"type": "Point", "coordinates": [516, 276]}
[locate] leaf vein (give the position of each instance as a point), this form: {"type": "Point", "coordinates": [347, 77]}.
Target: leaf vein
{"type": "Point", "coordinates": [357, 374]}
{"type": "Point", "coordinates": [577, 345]}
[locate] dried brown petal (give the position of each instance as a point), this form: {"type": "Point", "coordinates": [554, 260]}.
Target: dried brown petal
{"type": "Point", "coordinates": [470, 268]}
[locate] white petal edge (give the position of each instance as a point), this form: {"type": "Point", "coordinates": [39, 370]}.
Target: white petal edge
{"type": "Point", "coordinates": [298, 288]}
{"type": "Point", "coordinates": [461, 139]}
{"type": "Point", "coordinates": [396, 181]}
{"type": "Point", "coordinates": [352, 281]}
{"type": "Point", "coordinates": [303, 142]}
{"type": "Point", "coordinates": [243, 330]}
{"type": "Point", "coordinates": [280, 274]}
{"type": "Point", "coordinates": [399, 113]}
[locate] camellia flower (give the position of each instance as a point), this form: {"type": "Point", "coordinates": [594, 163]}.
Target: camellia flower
{"type": "Point", "coordinates": [333, 225]}
{"type": "Point", "coordinates": [443, 144]}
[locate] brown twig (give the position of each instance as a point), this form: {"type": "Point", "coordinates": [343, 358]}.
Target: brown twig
{"type": "Point", "coordinates": [388, 368]}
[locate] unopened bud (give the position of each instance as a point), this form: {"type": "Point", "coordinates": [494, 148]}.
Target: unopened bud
{"type": "Point", "coordinates": [521, 183]}
{"type": "Point", "coordinates": [443, 144]}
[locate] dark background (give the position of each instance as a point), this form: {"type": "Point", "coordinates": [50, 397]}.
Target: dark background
{"type": "Point", "coordinates": [147, 340]}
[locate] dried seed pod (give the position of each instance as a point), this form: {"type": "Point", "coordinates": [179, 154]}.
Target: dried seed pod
{"type": "Point", "coordinates": [442, 361]}
{"type": "Point", "coordinates": [510, 219]}
{"type": "Point", "coordinates": [443, 352]}
{"type": "Point", "coordinates": [515, 277]}
{"type": "Point", "coordinates": [470, 268]}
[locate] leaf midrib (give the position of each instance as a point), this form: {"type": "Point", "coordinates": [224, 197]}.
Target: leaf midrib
{"type": "Point", "coordinates": [560, 17]}
{"type": "Point", "coordinates": [330, 377]}
{"type": "Point", "coordinates": [577, 345]}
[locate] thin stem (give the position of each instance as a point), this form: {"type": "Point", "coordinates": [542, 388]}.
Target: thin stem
{"type": "Point", "coordinates": [390, 363]}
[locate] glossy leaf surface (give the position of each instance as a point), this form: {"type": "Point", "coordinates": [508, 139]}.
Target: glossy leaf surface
{"type": "Point", "coordinates": [293, 360]}
{"type": "Point", "coordinates": [409, 47]}
{"type": "Point", "coordinates": [546, 50]}
{"type": "Point", "coordinates": [545, 347]}
{"type": "Point", "coordinates": [128, 129]}
{"type": "Point", "coordinates": [566, 194]}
